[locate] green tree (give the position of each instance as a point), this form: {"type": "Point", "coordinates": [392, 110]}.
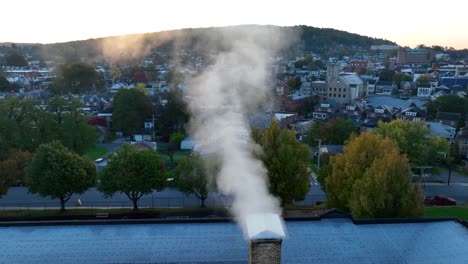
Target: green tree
{"type": "Point", "coordinates": [335, 131]}
{"type": "Point", "coordinates": [287, 162]}
{"type": "Point", "coordinates": [16, 60]}
{"type": "Point", "coordinates": [130, 109]}
{"type": "Point", "coordinates": [386, 75]}
{"type": "Point", "coordinates": [423, 81]}
{"type": "Point", "coordinates": [174, 145]}
{"type": "Point", "coordinates": [448, 103]}
{"type": "Point", "coordinates": [398, 78]}
{"type": "Point", "coordinates": [4, 84]}
{"type": "Point", "coordinates": [70, 126]}
{"type": "Point", "coordinates": [372, 179]}
{"type": "Point", "coordinates": [57, 172]}
{"type": "Point", "coordinates": [132, 172]}
{"type": "Point", "coordinates": [76, 77]}
{"type": "Point", "coordinates": [7, 170]}
{"type": "Point", "coordinates": [173, 78]}
{"type": "Point", "coordinates": [174, 115]}
{"type": "Point", "coordinates": [414, 140]}
{"type": "Point", "coordinates": [191, 177]}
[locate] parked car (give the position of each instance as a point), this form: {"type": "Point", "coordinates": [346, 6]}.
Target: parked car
{"type": "Point", "coordinates": [440, 200]}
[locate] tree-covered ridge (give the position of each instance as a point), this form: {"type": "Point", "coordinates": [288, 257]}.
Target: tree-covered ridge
{"type": "Point", "coordinates": [199, 40]}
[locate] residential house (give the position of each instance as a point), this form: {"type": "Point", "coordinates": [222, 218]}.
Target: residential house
{"type": "Point", "coordinates": [143, 135]}
{"type": "Point", "coordinates": [425, 91]}
{"type": "Point", "coordinates": [385, 87]}
{"type": "Point", "coordinates": [331, 149]}
{"type": "Point", "coordinates": [462, 140]}
{"type": "Point", "coordinates": [285, 119]}
{"type": "Point", "coordinates": [260, 119]}
{"type": "Point", "coordinates": [145, 145]}
{"type": "Point", "coordinates": [371, 86]}
{"type": "Point", "coordinates": [447, 118]}
{"type": "Point", "coordinates": [413, 114]}
{"type": "Point", "coordinates": [406, 89]}
{"type": "Point", "coordinates": [302, 127]}
{"type": "Point", "coordinates": [325, 110]}
{"type": "Point", "coordinates": [352, 110]}
{"type": "Point", "coordinates": [441, 130]}
{"type": "Point", "coordinates": [373, 115]}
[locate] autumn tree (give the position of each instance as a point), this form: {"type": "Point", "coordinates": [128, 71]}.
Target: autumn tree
{"type": "Point", "coordinates": [59, 173]}
{"type": "Point", "coordinates": [335, 131]}
{"type": "Point", "coordinates": [7, 170]}
{"type": "Point", "coordinates": [414, 140]}
{"type": "Point", "coordinates": [116, 73]}
{"type": "Point", "coordinates": [287, 162]}
{"type": "Point", "coordinates": [372, 179]}
{"type": "Point", "coordinates": [130, 109]}
{"type": "Point", "coordinates": [13, 169]}
{"type": "Point", "coordinates": [133, 172]}
{"type": "Point", "coordinates": [191, 176]}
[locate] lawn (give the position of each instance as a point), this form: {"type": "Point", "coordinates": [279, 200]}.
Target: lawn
{"type": "Point", "coordinates": [95, 152]}
{"type": "Point", "coordinates": [460, 212]}
{"type": "Point", "coordinates": [178, 155]}
{"type": "Point", "coordinates": [91, 211]}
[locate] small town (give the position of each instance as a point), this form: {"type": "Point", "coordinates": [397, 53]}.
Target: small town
{"type": "Point", "coordinates": [253, 138]}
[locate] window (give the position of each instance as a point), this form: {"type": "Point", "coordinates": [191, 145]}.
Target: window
{"type": "Point", "coordinates": [410, 113]}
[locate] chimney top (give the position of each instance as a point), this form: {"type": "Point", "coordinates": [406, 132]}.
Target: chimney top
{"type": "Point", "coordinates": [264, 226]}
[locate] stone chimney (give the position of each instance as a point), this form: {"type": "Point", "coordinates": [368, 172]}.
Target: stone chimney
{"type": "Point", "coordinates": [265, 232]}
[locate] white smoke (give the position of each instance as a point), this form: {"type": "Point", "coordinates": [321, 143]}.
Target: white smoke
{"type": "Point", "coordinates": [220, 99]}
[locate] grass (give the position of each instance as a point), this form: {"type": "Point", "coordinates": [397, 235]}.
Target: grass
{"type": "Point", "coordinates": [460, 212]}
{"type": "Point", "coordinates": [178, 155]}
{"type": "Point", "coordinates": [95, 152]}
{"type": "Point", "coordinates": [93, 211]}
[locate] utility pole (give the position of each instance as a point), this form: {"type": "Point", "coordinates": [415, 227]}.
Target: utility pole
{"type": "Point", "coordinates": [319, 152]}
{"type": "Point", "coordinates": [154, 136]}
{"type": "Point", "coordinates": [450, 173]}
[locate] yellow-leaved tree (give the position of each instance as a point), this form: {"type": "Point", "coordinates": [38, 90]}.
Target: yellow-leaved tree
{"type": "Point", "coordinates": [372, 179]}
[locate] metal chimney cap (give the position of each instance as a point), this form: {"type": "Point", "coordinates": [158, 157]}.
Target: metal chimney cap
{"type": "Point", "coordinates": [264, 226]}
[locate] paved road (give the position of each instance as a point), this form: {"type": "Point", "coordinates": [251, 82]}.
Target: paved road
{"type": "Point", "coordinates": [19, 197]}
{"type": "Point", "coordinates": [442, 176]}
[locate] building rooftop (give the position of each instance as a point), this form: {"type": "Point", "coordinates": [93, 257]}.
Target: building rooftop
{"type": "Point", "coordinates": [330, 240]}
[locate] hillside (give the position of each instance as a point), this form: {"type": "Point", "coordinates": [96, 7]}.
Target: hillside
{"type": "Point", "coordinates": [200, 40]}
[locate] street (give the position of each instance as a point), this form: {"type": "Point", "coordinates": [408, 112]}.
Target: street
{"type": "Point", "coordinates": [18, 197]}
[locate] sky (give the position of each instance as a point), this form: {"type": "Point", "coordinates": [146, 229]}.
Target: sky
{"type": "Point", "coordinates": [407, 22]}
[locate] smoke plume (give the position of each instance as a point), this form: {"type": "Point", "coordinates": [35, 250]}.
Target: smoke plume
{"type": "Point", "coordinates": [221, 98]}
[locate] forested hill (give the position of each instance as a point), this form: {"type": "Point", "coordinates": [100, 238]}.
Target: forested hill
{"type": "Point", "coordinates": [321, 40]}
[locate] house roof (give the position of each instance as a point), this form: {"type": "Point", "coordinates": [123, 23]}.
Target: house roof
{"type": "Point", "coordinates": [329, 240]}
{"type": "Point", "coordinates": [352, 79]}
{"type": "Point", "coordinates": [448, 116]}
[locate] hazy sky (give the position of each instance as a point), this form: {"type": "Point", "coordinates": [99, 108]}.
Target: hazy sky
{"type": "Point", "coordinates": [407, 22]}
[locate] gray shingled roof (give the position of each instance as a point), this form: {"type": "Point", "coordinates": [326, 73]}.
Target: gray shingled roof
{"type": "Point", "coordinates": [333, 240]}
